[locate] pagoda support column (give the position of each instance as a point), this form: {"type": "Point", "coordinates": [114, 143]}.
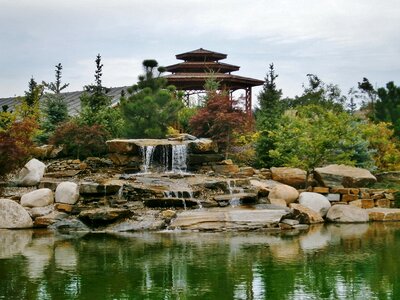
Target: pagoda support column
{"type": "Point", "coordinates": [248, 101]}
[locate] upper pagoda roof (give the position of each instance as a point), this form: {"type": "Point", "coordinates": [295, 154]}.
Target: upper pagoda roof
{"type": "Point", "coordinates": [201, 55]}
{"type": "Point", "coordinates": [201, 66]}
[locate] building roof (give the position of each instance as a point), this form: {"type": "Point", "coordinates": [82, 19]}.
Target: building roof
{"type": "Point", "coordinates": [201, 55]}
{"type": "Point", "coordinates": [197, 66]}
{"type": "Point", "coordinates": [71, 98]}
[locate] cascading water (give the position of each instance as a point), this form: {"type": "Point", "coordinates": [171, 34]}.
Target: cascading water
{"type": "Point", "coordinates": [179, 156]}
{"type": "Point", "coordinates": [147, 156]}
{"type": "Point", "coordinates": [234, 201]}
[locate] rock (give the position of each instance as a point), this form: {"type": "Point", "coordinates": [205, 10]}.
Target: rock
{"type": "Point", "coordinates": [203, 158]}
{"type": "Point", "coordinates": [168, 214]}
{"type": "Point", "coordinates": [384, 214]}
{"type": "Point", "coordinates": [31, 173]}
{"type": "Point", "coordinates": [38, 198]}
{"type": "Point", "coordinates": [246, 171]}
{"type": "Point", "coordinates": [242, 197]}
{"type": "Point", "coordinates": [347, 214]}
{"type": "Point", "coordinates": [67, 192]}
{"type": "Point", "coordinates": [124, 159]}
{"type": "Point", "coordinates": [69, 224]}
{"type": "Point", "coordinates": [67, 208]}
{"type": "Point", "coordinates": [13, 215]}
{"type": "Point", "coordinates": [382, 203]}
{"type": "Point", "coordinates": [123, 146]}
{"type": "Point", "coordinates": [231, 219]}
{"type": "Point", "coordinates": [225, 169]}
{"type": "Point", "coordinates": [285, 192]}
{"type": "Point", "coordinates": [316, 202]}
{"type": "Point", "coordinates": [202, 146]}
{"type": "Point", "coordinates": [333, 197]}
{"type": "Point", "coordinates": [146, 221]}
{"type": "Point", "coordinates": [170, 202]}
{"type": "Point", "coordinates": [356, 203]}
{"type": "Point", "coordinates": [343, 176]}
{"type": "Point", "coordinates": [181, 137]}
{"type": "Point", "coordinates": [304, 214]}
{"type": "Point", "coordinates": [49, 184]}
{"type": "Point", "coordinates": [101, 216]}
{"type": "Point", "coordinates": [290, 222]}
{"type": "Point", "coordinates": [320, 190]}
{"type": "Point", "coordinates": [278, 202]}
{"type": "Point", "coordinates": [290, 176]}
{"type": "Point", "coordinates": [47, 220]}
{"type": "Point", "coordinates": [94, 188]}
{"type": "Point", "coordinates": [41, 211]}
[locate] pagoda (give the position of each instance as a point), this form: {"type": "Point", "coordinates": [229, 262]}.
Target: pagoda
{"type": "Point", "coordinates": [198, 65]}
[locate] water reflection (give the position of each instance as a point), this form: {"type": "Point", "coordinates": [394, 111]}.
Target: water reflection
{"type": "Point", "coordinates": [329, 262]}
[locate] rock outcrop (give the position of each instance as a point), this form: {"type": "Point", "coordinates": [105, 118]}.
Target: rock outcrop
{"type": "Point", "coordinates": [343, 176]}
{"type": "Point", "coordinates": [347, 214]}
{"type": "Point", "coordinates": [290, 176]}
{"type": "Point", "coordinates": [316, 202]}
{"type": "Point", "coordinates": [13, 215]}
{"type": "Point", "coordinates": [31, 173]}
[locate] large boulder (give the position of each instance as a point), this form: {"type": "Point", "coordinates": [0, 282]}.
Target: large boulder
{"type": "Point", "coordinates": [285, 192]}
{"type": "Point", "coordinates": [347, 214]}
{"type": "Point", "coordinates": [304, 214]}
{"type": "Point", "coordinates": [316, 202]}
{"type": "Point", "coordinates": [201, 146]}
{"type": "Point", "coordinates": [13, 215]}
{"type": "Point", "coordinates": [38, 198]}
{"type": "Point", "coordinates": [343, 176]}
{"type": "Point", "coordinates": [31, 173]}
{"type": "Point", "coordinates": [290, 176]}
{"type": "Point", "coordinates": [67, 192]}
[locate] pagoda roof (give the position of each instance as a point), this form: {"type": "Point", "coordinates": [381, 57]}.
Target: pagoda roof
{"type": "Point", "coordinates": [195, 81]}
{"type": "Point", "coordinates": [201, 55]}
{"type": "Point", "coordinates": [197, 66]}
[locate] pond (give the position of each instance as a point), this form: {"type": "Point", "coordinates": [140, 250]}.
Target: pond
{"type": "Point", "coordinates": [327, 262]}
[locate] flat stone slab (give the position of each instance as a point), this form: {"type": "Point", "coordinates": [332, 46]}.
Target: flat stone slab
{"type": "Point", "coordinates": [384, 214]}
{"type": "Point", "coordinates": [227, 219]}
{"type": "Point", "coordinates": [245, 197]}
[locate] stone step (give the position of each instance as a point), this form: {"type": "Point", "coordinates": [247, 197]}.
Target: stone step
{"type": "Point", "coordinates": [243, 197]}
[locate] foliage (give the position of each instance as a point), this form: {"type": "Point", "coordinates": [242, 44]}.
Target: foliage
{"type": "Point", "coordinates": [320, 93]}
{"type": "Point", "coordinates": [81, 141]}
{"type": "Point", "coordinates": [387, 107]}
{"type": "Point", "coordinates": [16, 144]}
{"type": "Point", "coordinates": [184, 116]}
{"type": "Point", "coordinates": [30, 105]}
{"type": "Point", "coordinates": [151, 106]}
{"type": "Point", "coordinates": [368, 97]}
{"type": "Point", "coordinates": [267, 117]}
{"type": "Point", "coordinates": [6, 118]}
{"type": "Point", "coordinates": [243, 151]}
{"type": "Point", "coordinates": [55, 110]}
{"type": "Point", "coordinates": [96, 106]}
{"type": "Point", "coordinates": [381, 138]}
{"type": "Point", "coordinates": [219, 120]}
{"type": "Point", "coordinates": [312, 136]}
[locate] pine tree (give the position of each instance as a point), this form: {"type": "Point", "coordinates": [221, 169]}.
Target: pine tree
{"type": "Point", "coordinates": [56, 87]}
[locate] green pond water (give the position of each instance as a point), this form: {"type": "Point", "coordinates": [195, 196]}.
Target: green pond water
{"type": "Point", "coordinates": [327, 262]}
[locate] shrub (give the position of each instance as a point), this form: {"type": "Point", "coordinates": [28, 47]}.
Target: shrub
{"type": "Point", "coordinates": [81, 141]}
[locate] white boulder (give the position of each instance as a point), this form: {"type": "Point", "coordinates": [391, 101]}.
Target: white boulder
{"type": "Point", "coordinates": [31, 173]}
{"type": "Point", "coordinates": [13, 215]}
{"type": "Point", "coordinates": [67, 192]}
{"type": "Point", "coordinates": [38, 198]}
{"type": "Point", "coordinates": [316, 202]}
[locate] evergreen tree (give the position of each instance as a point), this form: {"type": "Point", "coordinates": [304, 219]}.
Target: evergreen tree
{"type": "Point", "coordinates": [151, 105]}
{"type": "Point", "coordinates": [267, 117]}
{"type": "Point", "coordinates": [387, 107]}
{"type": "Point", "coordinates": [56, 87]}
{"type": "Point", "coordinates": [368, 95]}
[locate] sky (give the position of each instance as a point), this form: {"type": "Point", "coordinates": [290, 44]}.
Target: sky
{"type": "Point", "coordinates": [341, 41]}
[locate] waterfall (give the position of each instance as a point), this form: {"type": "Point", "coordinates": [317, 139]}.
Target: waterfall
{"type": "Point", "coordinates": [147, 156]}
{"type": "Point", "coordinates": [234, 201]}
{"type": "Point", "coordinates": [179, 156]}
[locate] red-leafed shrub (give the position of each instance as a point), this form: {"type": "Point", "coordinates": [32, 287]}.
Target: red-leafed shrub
{"type": "Point", "coordinates": [219, 120]}
{"type": "Point", "coordinates": [81, 141]}
{"type": "Point", "coordinates": [16, 145]}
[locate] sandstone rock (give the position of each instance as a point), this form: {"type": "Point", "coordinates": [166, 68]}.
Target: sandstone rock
{"type": "Point", "coordinates": [343, 176]}
{"type": "Point", "coordinates": [320, 190]}
{"type": "Point", "coordinates": [168, 214]}
{"type": "Point", "coordinates": [200, 146]}
{"type": "Point", "coordinates": [347, 214]}
{"type": "Point", "coordinates": [304, 214]}
{"type": "Point", "coordinates": [367, 203]}
{"type": "Point", "coordinates": [64, 207]}
{"type": "Point", "coordinates": [290, 176]}
{"type": "Point", "coordinates": [38, 198]}
{"type": "Point", "coordinates": [13, 215]}
{"type": "Point", "coordinates": [123, 146]}
{"type": "Point", "coordinates": [31, 173]}
{"type": "Point", "coordinates": [47, 220]}
{"type": "Point", "coordinates": [278, 202]}
{"type": "Point", "coordinates": [230, 219]}
{"type": "Point", "coordinates": [242, 197]}
{"type": "Point", "coordinates": [290, 222]}
{"type": "Point", "coordinates": [147, 221]}
{"type": "Point", "coordinates": [101, 216]}
{"type": "Point", "coordinates": [246, 171]}
{"type": "Point", "coordinates": [67, 192]}
{"type": "Point", "coordinates": [203, 158]}
{"type": "Point", "coordinates": [124, 159]}
{"type": "Point", "coordinates": [382, 203]}
{"type": "Point", "coordinates": [41, 211]}
{"type": "Point", "coordinates": [356, 203]}
{"type": "Point", "coordinates": [225, 169]}
{"type": "Point", "coordinates": [316, 202]}
{"type": "Point", "coordinates": [99, 189]}
{"type": "Point", "coordinates": [384, 214]}
{"type": "Point", "coordinates": [285, 192]}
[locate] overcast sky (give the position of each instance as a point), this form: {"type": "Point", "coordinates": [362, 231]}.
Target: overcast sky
{"type": "Point", "coordinates": [341, 41]}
